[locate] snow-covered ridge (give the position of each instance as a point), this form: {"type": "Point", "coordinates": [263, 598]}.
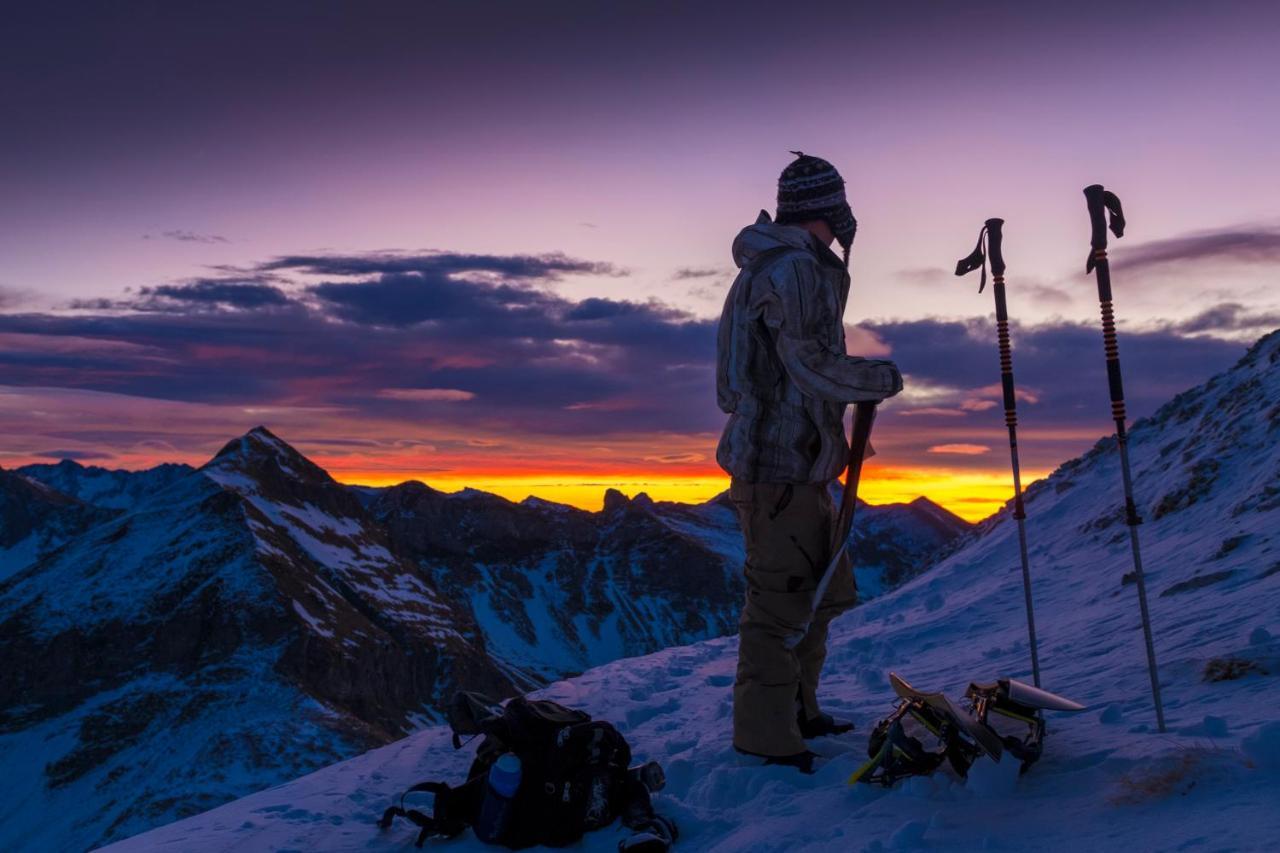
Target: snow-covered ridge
{"type": "Point", "coordinates": [1207, 470]}
{"type": "Point", "coordinates": [239, 625]}
{"type": "Point", "coordinates": [101, 487]}
{"type": "Point", "coordinates": [161, 595]}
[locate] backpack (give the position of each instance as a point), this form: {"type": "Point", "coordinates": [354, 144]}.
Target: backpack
{"type": "Point", "coordinates": [575, 775]}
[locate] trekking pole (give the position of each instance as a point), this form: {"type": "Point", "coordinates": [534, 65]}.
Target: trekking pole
{"type": "Point", "coordinates": [1101, 202]}
{"type": "Point", "coordinates": [863, 416]}
{"type": "Point", "coordinates": [991, 234]}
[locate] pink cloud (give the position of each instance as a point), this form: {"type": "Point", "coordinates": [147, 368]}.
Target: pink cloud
{"type": "Point", "coordinates": [864, 342]}
{"type": "Point", "coordinates": [426, 395]}
{"type": "Point", "coordinates": [961, 449]}
{"type": "Point", "coordinates": [1026, 395]}
{"type": "Point", "coordinates": [933, 410]}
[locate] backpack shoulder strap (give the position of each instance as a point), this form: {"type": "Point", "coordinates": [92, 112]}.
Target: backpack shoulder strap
{"type": "Point", "coordinates": [453, 810]}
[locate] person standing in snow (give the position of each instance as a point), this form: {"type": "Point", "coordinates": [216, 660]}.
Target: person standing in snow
{"type": "Point", "coordinates": [784, 379]}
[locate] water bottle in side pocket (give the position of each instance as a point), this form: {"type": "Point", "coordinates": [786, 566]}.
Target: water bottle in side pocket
{"type": "Point", "coordinates": [499, 794]}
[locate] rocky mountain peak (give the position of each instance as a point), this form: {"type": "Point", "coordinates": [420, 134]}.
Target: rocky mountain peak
{"type": "Point", "coordinates": [262, 455]}
{"type": "Point", "coordinates": [615, 500]}
{"type": "Point", "coordinates": [940, 514]}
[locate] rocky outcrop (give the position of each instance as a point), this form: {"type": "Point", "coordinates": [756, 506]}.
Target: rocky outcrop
{"type": "Point", "coordinates": [36, 520]}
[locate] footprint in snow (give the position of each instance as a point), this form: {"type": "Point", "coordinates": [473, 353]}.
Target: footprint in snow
{"type": "Point", "coordinates": [675, 747]}
{"type": "Point", "coordinates": [293, 815]}
{"type": "Point", "coordinates": [639, 716]}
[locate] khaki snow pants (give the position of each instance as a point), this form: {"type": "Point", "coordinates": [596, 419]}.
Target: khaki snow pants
{"type": "Point", "coordinates": [787, 531]}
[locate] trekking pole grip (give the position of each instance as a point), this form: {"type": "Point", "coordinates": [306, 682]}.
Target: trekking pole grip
{"type": "Point", "coordinates": [995, 241]}
{"type": "Point", "coordinates": [1097, 216]}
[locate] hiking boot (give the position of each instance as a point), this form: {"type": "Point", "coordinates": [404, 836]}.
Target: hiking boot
{"type": "Point", "coordinates": [822, 726]}
{"type": "Point", "coordinates": [802, 761]}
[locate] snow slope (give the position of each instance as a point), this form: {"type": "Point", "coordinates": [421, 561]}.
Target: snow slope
{"type": "Point", "coordinates": [238, 627]}
{"type": "Point", "coordinates": [1207, 468]}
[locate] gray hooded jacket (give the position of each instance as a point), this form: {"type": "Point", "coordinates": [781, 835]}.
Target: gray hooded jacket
{"type": "Point", "coordinates": [782, 374]}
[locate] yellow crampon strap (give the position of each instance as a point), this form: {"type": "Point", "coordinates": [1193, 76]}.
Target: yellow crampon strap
{"type": "Point", "coordinates": [870, 764]}
{"type": "Point", "coordinates": [1031, 721]}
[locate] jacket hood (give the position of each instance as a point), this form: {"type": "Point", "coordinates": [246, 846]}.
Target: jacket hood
{"type": "Point", "coordinates": [766, 234]}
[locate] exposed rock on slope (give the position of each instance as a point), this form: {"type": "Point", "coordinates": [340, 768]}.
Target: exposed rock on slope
{"type": "Point", "coordinates": [35, 520]}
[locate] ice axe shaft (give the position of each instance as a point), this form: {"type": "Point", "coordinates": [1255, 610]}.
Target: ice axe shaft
{"type": "Point", "coordinates": [992, 234]}
{"type": "Point", "coordinates": [1101, 202]}
{"type": "Point", "coordinates": [863, 416]}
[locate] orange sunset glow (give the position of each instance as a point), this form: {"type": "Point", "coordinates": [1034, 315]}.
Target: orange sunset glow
{"type": "Point", "coordinates": [971, 494]}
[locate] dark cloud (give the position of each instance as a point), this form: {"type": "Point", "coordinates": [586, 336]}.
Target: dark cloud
{"type": "Point", "coordinates": [548, 267]}
{"type": "Point", "coordinates": [503, 343]}
{"type": "Point", "coordinates": [200, 295]}
{"type": "Point", "coordinates": [1060, 365]}
{"type": "Point", "coordinates": [189, 237]}
{"type": "Point", "coordinates": [1249, 245]}
{"type": "Point", "coordinates": [500, 351]}
{"type": "Point", "coordinates": [1061, 361]}
{"type": "Point", "coordinates": [689, 272]}
{"type": "Point", "coordinates": [1228, 317]}
{"type": "Point", "coordinates": [406, 299]}
{"type": "Point", "coordinates": [492, 292]}
{"type": "Point", "coordinates": [219, 292]}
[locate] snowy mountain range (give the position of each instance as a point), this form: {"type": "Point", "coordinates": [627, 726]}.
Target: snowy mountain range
{"type": "Point", "coordinates": [178, 637]}
{"type": "Point", "coordinates": [1207, 472]}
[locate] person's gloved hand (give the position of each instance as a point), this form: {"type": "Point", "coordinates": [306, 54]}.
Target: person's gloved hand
{"type": "Point", "coordinates": [890, 377]}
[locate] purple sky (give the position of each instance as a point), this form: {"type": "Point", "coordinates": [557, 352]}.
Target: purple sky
{"type": "Point", "coordinates": [151, 145]}
{"type": "Point", "coordinates": [517, 127]}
